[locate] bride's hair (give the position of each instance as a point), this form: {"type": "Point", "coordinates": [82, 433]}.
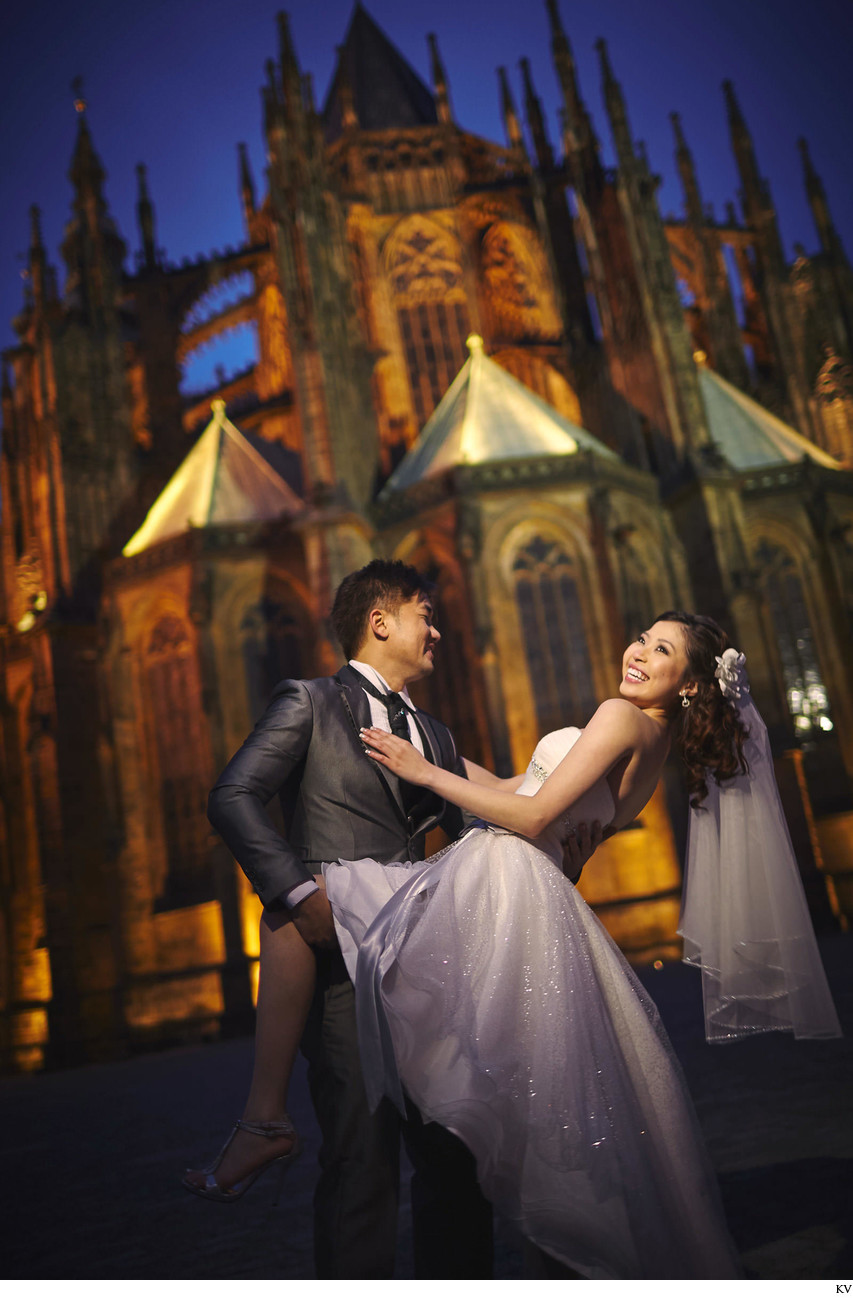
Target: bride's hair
{"type": "Point", "coordinates": [710, 733]}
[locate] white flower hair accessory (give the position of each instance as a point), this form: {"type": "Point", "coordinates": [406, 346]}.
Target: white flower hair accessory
{"type": "Point", "coordinates": [731, 673]}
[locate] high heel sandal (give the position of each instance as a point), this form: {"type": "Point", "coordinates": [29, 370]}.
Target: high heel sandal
{"type": "Point", "coordinates": [209, 1189]}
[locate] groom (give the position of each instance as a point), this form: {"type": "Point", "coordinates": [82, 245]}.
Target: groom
{"type": "Point", "coordinates": [338, 803]}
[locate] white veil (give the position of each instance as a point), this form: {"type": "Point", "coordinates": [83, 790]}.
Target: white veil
{"type": "Point", "coordinates": [744, 917]}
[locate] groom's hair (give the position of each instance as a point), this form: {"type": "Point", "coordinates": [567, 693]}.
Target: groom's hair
{"type": "Point", "coordinates": [385, 583]}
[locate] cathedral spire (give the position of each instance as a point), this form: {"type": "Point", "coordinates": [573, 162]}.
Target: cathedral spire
{"type": "Point", "coordinates": [145, 218]}
{"type": "Point", "coordinates": [579, 129]}
{"type": "Point", "coordinates": [314, 123]}
{"type": "Point", "coordinates": [270, 97]}
{"type": "Point", "coordinates": [349, 116]}
{"type": "Point", "coordinates": [308, 97]}
{"type": "Point", "coordinates": [86, 173]}
{"type": "Point", "coordinates": [35, 229]}
{"type": "Point", "coordinates": [755, 192]}
{"type": "Point", "coordinates": [38, 276]}
{"type": "Point", "coordinates": [291, 80]}
{"type": "Point", "coordinates": [535, 119]}
{"type": "Point", "coordinates": [744, 151]}
{"type": "Point", "coordinates": [687, 172]}
{"type": "Point", "coordinates": [829, 240]}
{"type": "Point", "coordinates": [515, 139]}
{"type": "Point", "coordinates": [720, 333]}
{"type": "Point", "coordinates": [93, 249]}
{"type": "Point", "coordinates": [247, 185]}
{"type": "Point", "coordinates": [617, 111]}
{"type": "Point", "coordinates": [439, 82]}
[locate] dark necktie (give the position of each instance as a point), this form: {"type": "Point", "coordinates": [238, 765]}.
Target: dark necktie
{"type": "Point", "coordinates": [411, 794]}
{"type": "Point", "coordinates": [397, 718]}
{"type": "Point", "coordinates": [395, 704]}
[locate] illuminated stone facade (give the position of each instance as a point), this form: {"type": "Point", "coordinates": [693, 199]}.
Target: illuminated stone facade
{"type": "Point", "coordinates": [388, 235]}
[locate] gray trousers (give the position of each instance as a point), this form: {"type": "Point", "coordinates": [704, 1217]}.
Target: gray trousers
{"type": "Point", "coordinates": [355, 1204]}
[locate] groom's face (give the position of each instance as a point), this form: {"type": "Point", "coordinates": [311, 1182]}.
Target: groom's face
{"type": "Point", "coordinates": [412, 638]}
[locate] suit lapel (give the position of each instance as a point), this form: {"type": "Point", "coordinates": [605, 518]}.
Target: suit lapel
{"type": "Point", "coordinates": [432, 750]}
{"type": "Point", "coordinates": [356, 699]}
{"type": "Point", "coordinates": [357, 707]}
{"type": "Point", "coordinates": [430, 807]}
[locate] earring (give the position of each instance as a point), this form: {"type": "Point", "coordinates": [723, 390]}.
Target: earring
{"type": "Point", "coordinates": [685, 701]}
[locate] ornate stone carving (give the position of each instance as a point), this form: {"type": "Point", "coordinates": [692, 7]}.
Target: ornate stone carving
{"type": "Point", "coordinates": [275, 367]}
{"type": "Point", "coordinates": [834, 395]}
{"type": "Point", "coordinates": [514, 274]}
{"type": "Point", "coordinates": [422, 262]}
{"type": "Point", "coordinates": [169, 634]}
{"type": "Point", "coordinates": [139, 410]}
{"type": "Point", "coordinates": [835, 380]}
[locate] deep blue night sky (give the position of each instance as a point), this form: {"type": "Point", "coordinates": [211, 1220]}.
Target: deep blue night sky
{"type": "Point", "coordinates": [176, 84]}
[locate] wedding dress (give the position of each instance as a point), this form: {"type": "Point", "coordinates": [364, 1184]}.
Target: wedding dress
{"type": "Point", "coordinates": [488, 990]}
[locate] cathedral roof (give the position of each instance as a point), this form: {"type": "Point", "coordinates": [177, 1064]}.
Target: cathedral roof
{"type": "Point", "coordinates": [387, 92]}
{"type": "Point", "coordinates": [486, 415]}
{"type": "Point", "coordinates": [222, 480]}
{"type": "Point", "coordinates": [746, 434]}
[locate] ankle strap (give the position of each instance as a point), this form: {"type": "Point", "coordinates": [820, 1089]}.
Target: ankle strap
{"type": "Point", "coordinates": [272, 1130]}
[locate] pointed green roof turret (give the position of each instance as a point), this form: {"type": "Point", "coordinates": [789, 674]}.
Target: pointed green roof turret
{"type": "Point", "coordinates": [485, 416]}
{"type": "Point", "coordinates": [223, 480]}
{"type": "Point", "coordinates": [746, 434]}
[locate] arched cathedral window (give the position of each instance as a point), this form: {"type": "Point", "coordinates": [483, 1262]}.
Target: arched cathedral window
{"type": "Point", "coordinates": [548, 601]}
{"type": "Point", "coordinates": [422, 262]}
{"type": "Point", "coordinates": [272, 650]}
{"type": "Point", "coordinates": [805, 692]}
{"type": "Point", "coordinates": [433, 336]}
{"type": "Point", "coordinates": [176, 717]}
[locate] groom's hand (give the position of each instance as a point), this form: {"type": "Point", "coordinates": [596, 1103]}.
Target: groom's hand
{"type": "Point", "coordinates": [579, 847]}
{"type": "Point", "coordinates": [314, 923]}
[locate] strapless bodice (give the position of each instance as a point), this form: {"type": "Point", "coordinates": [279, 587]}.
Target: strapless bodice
{"type": "Point", "coordinates": [596, 804]}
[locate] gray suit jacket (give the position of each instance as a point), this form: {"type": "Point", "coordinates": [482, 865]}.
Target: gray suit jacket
{"type": "Point", "coordinates": [337, 802]}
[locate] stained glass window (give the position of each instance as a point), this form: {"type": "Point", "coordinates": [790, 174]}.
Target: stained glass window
{"type": "Point", "coordinates": [548, 601]}
{"type": "Point", "coordinates": [433, 335]}
{"type": "Point", "coordinates": [806, 695]}
{"type": "Point", "coordinates": [175, 713]}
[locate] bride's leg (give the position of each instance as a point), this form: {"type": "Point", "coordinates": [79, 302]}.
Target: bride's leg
{"type": "Point", "coordinates": [288, 972]}
{"type": "Point", "coordinates": [286, 982]}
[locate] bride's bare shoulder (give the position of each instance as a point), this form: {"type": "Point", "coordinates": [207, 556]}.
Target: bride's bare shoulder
{"type": "Point", "coordinates": [616, 712]}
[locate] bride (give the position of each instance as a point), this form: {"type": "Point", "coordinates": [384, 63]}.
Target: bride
{"type": "Point", "coordinates": [489, 993]}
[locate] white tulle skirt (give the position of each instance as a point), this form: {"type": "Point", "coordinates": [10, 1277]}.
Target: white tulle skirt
{"type": "Point", "coordinates": [488, 990]}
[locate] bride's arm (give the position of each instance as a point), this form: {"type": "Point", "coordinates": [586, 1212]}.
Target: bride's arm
{"type": "Point", "coordinates": [609, 736]}
{"type": "Point", "coordinates": [479, 775]}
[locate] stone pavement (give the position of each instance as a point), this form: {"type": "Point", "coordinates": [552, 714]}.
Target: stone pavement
{"type": "Point", "coordinates": [92, 1157]}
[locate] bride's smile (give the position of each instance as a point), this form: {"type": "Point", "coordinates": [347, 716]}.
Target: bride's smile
{"type": "Point", "coordinates": [654, 668]}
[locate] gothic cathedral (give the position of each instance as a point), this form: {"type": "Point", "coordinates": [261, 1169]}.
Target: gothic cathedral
{"type": "Point", "coordinates": [496, 361]}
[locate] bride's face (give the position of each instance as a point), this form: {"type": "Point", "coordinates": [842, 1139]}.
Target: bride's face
{"type": "Point", "coordinates": [654, 667]}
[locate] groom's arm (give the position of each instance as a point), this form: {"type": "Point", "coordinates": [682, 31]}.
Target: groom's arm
{"type": "Point", "coordinates": [237, 806]}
